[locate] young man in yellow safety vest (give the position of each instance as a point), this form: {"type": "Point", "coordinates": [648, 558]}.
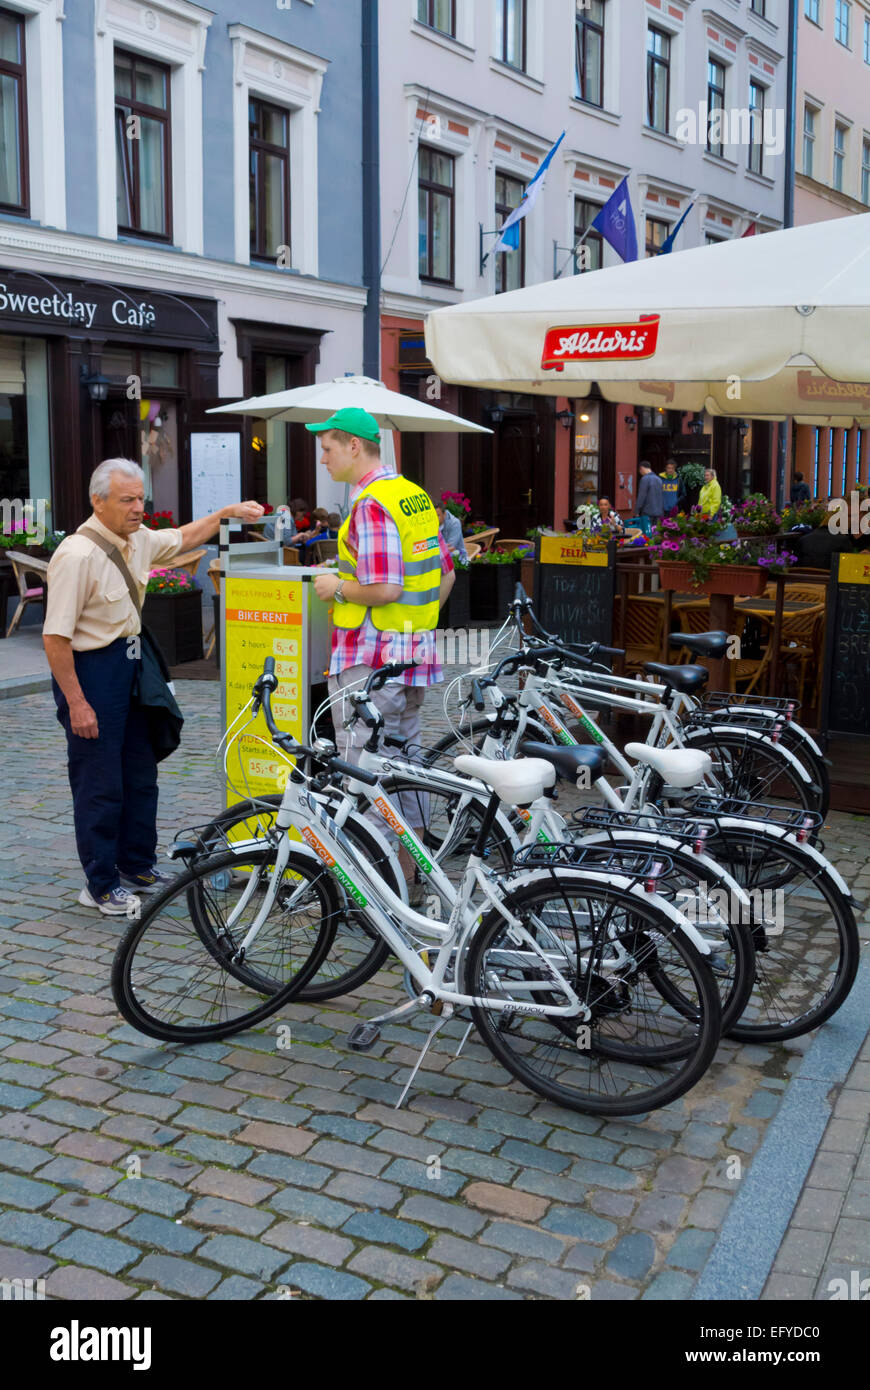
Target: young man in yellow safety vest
{"type": "Point", "coordinates": [394, 574]}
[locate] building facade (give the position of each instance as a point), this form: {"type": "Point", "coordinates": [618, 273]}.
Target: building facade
{"type": "Point", "coordinates": [832, 179]}
{"type": "Point", "coordinates": [174, 233]}
{"type": "Point", "coordinates": [688, 104]}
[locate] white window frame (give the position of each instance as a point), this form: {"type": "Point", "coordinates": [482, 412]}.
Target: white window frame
{"type": "Point", "coordinates": [867, 38]}
{"type": "Point", "coordinates": [843, 7]}
{"type": "Point", "coordinates": [815, 17]}
{"type": "Point", "coordinates": [437, 133]}
{"type": "Point", "coordinates": [44, 96]}
{"type": "Point", "coordinates": [676, 32]}
{"type": "Point", "coordinates": [865, 168]}
{"type": "Point", "coordinates": [171, 32]}
{"type": "Point", "coordinates": [841, 153]}
{"type": "Point", "coordinates": [534, 68]}
{"type": "Point", "coordinates": [289, 77]}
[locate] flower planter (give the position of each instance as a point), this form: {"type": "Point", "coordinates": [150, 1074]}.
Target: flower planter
{"type": "Point", "coordinates": [175, 622]}
{"type": "Point", "coordinates": [456, 612]}
{"type": "Point", "coordinates": [747, 581]}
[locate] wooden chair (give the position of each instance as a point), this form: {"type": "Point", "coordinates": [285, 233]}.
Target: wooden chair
{"type": "Point", "coordinates": [256, 536]}
{"type": "Point", "coordinates": [324, 550]}
{"type": "Point", "coordinates": [22, 566]}
{"type": "Point", "coordinates": [524, 544]}
{"type": "Point", "coordinates": [802, 641]}
{"type": "Point", "coordinates": [485, 538]}
{"type": "Point", "coordinates": [292, 555]}
{"type": "Point", "coordinates": [748, 671]}
{"type": "Point", "coordinates": [472, 550]}
{"type": "Point", "coordinates": [798, 593]}
{"type": "Point", "coordinates": [189, 561]}
{"type": "Point", "coordinates": [644, 629]}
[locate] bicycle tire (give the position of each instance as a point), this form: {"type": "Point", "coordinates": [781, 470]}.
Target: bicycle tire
{"type": "Point", "coordinates": [198, 986]}
{"type": "Point", "coordinates": [755, 769]}
{"type": "Point", "coordinates": [784, 958]}
{"type": "Point", "coordinates": [352, 925]}
{"type": "Point", "coordinates": [790, 738]}
{"type": "Point", "coordinates": [535, 1034]}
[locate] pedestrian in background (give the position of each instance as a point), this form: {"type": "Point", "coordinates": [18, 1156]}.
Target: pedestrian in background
{"type": "Point", "coordinates": [799, 491]}
{"type": "Point", "coordinates": [710, 499]}
{"type": "Point", "coordinates": [673, 488]}
{"type": "Point", "coordinates": [650, 495]}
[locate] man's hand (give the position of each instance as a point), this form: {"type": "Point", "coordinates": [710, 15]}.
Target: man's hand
{"type": "Point", "coordinates": [83, 720]}
{"type": "Point", "coordinates": [325, 586]}
{"type": "Point", "coordinates": [243, 511]}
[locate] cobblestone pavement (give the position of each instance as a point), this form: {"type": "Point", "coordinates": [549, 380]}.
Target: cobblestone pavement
{"type": "Point", "coordinates": [268, 1173]}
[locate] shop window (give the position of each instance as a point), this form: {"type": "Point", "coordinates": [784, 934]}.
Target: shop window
{"type": "Point", "coordinates": [152, 368]}
{"type": "Point", "coordinates": [25, 464]}
{"type": "Point", "coordinates": [13, 115]}
{"type": "Point", "coordinates": [269, 186]}
{"type": "Point", "coordinates": [587, 455]}
{"type": "Point", "coordinates": [142, 146]}
{"type": "Point", "coordinates": [436, 194]}
{"type": "Point", "coordinates": [510, 266]}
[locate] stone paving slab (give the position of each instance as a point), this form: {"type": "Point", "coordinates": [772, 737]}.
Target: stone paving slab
{"type": "Point", "coordinates": [234, 1170]}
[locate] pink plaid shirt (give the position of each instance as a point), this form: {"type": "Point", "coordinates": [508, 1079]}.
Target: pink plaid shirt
{"type": "Point", "coordinates": [373, 539]}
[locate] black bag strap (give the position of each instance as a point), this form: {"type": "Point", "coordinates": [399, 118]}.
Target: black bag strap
{"type": "Point", "coordinates": [116, 558]}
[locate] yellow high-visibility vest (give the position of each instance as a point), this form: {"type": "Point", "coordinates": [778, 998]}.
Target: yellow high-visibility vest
{"type": "Point", "coordinates": [417, 522]}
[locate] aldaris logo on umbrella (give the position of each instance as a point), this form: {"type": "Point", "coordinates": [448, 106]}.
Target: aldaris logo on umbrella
{"type": "Point", "coordinates": [605, 342]}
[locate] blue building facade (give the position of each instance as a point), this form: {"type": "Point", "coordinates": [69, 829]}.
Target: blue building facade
{"type": "Point", "coordinates": [180, 195]}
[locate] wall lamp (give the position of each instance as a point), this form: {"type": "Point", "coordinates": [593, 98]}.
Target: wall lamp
{"type": "Point", "coordinates": [566, 418]}
{"type": "Point", "coordinates": [496, 414]}
{"type": "Point", "coordinates": [631, 421]}
{"type": "Point", "coordinates": [743, 427]}
{"type": "Point", "coordinates": [97, 384]}
{"type": "Point", "coordinates": [696, 426]}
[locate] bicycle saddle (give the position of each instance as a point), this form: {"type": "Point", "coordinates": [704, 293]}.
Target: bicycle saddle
{"type": "Point", "coordinates": [568, 761]}
{"type": "Point", "coordinates": [701, 643]}
{"type": "Point", "coordinates": [679, 767]}
{"type": "Point", "coordinates": [684, 678]}
{"type": "Point", "coordinates": [517, 782]}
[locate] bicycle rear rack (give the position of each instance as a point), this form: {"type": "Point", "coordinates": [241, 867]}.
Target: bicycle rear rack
{"type": "Point", "coordinates": [715, 807]}
{"type": "Point", "coordinates": [720, 699]}
{"type": "Point", "coordinates": [601, 818]}
{"type": "Point", "coordinates": [637, 863]}
{"type": "Point", "coordinates": [755, 723]}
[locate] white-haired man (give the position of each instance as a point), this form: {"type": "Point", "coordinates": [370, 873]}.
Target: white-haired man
{"type": "Point", "coordinates": [90, 615]}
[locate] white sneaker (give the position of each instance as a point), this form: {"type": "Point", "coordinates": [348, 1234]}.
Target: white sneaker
{"type": "Point", "coordinates": [119, 903]}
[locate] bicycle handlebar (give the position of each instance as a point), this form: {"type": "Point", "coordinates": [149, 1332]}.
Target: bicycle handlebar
{"type": "Point", "coordinates": [384, 673]}
{"type": "Point", "coordinates": [264, 687]}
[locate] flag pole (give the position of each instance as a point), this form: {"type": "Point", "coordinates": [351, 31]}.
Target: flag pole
{"type": "Point", "coordinates": [573, 254]}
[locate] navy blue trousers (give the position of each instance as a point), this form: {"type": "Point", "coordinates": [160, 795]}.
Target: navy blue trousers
{"type": "Point", "coordinates": [114, 777]}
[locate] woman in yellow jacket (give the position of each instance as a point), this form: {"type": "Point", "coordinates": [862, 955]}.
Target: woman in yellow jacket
{"type": "Point", "coordinates": [710, 499]}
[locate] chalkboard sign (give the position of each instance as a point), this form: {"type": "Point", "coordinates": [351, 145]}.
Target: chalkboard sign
{"type": "Point", "coordinates": [574, 588]}
{"type": "Point", "coordinates": [846, 699]}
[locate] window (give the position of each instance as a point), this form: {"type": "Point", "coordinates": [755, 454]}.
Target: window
{"type": "Point", "coordinates": [756, 128]}
{"type": "Point", "coordinates": [843, 22]}
{"type": "Point", "coordinates": [809, 139]}
{"type": "Point", "coordinates": [657, 233]}
{"type": "Point", "coordinates": [589, 52]}
{"type": "Point", "coordinates": [839, 155]}
{"type": "Point", "coordinates": [584, 213]}
{"type": "Point", "coordinates": [865, 172]}
{"type": "Point", "coordinates": [811, 10]}
{"type": "Point", "coordinates": [758, 7]}
{"type": "Point", "coordinates": [715, 106]}
{"type": "Point", "coordinates": [509, 265]}
{"type": "Point", "coordinates": [867, 40]}
{"type": "Point", "coordinates": [142, 145]}
{"type": "Point", "coordinates": [710, 240]}
{"type": "Point", "coordinates": [658, 78]}
{"type": "Point", "coordinates": [436, 197]}
{"type": "Point", "coordinates": [268, 132]}
{"type": "Point", "coordinates": [511, 38]}
{"type": "Point", "coordinates": [13, 115]}
{"type": "Point", "coordinates": [438, 14]}
{"type": "Point", "coordinates": [25, 470]}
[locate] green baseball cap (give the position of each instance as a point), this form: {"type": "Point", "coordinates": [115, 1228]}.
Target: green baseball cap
{"type": "Point", "coordinates": [352, 421]}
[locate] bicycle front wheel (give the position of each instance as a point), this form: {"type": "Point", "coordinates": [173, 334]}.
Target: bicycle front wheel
{"type": "Point", "coordinates": [182, 973]}
{"type": "Point", "coordinates": [631, 1050]}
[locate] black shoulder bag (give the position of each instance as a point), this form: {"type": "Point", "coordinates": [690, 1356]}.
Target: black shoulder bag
{"type": "Point", "coordinates": [152, 687]}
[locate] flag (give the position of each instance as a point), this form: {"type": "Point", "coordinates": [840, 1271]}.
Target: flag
{"type": "Point", "coordinates": [750, 230]}
{"type": "Point", "coordinates": [615, 222]}
{"type": "Point", "coordinates": [510, 232]}
{"type": "Point", "coordinates": [667, 245]}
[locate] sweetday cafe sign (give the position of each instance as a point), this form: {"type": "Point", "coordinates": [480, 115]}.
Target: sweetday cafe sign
{"type": "Point", "coordinates": [34, 301]}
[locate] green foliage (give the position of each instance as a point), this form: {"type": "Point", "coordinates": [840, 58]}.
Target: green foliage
{"type": "Point", "coordinates": [692, 474]}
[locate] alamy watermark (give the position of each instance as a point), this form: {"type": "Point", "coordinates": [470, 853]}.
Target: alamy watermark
{"type": "Point", "coordinates": [723, 127]}
{"type": "Point", "coordinates": [848, 516]}
{"type": "Point", "coordinates": [26, 518]}
{"type": "Point", "coordinates": [764, 908]}
{"type": "Point", "coordinates": [452, 646]}
{"type": "Point", "coordinates": [19, 1289]}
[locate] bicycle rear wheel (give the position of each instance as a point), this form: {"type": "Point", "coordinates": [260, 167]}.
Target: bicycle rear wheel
{"type": "Point", "coordinates": [634, 1051]}
{"type": "Point", "coordinates": [751, 770]}
{"type": "Point", "coordinates": [181, 973]}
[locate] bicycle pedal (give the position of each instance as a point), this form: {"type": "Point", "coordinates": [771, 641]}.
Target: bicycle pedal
{"type": "Point", "coordinates": [363, 1037]}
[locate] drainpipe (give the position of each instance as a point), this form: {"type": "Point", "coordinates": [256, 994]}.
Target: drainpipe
{"type": "Point", "coordinates": [371, 190]}
{"type": "Point", "coordinates": [788, 204]}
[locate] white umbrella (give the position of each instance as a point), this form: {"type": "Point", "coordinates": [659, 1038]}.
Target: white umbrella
{"type": "Point", "coordinates": [766, 326]}
{"type": "Point", "coordinates": [314, 404]}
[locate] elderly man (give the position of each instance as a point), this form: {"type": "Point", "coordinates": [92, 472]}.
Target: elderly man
{"type": "Point", "coordinates": [89, 621]}
{"type": "Point", "coordinates": [451, 529]}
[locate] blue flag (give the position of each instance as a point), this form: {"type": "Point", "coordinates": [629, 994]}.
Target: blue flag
{"type": "Point", "coordinates": [667, 245]}
{"type": "Point", "coordinates": [615, 222]}
{"type": "Point", "coordinates": [510, 232]}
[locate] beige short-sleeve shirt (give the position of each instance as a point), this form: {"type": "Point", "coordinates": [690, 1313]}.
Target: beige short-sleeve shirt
{"type": "Point", "coordinates": [88, 598]}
